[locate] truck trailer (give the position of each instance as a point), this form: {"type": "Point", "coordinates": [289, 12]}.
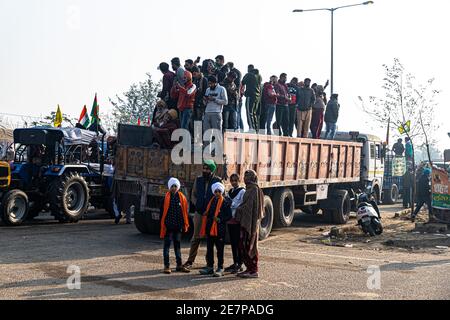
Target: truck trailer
{"type": "Point", "coordinates": [306, 174]}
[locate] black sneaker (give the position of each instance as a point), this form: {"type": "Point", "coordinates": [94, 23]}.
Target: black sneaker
{"type": "Point", "coordinates": [207, 271]}
{"type": "Point", "coordinates": [187, 265]}
{"type": "Point", "coordinates": [231, 268]}
{"type": "Point", "coordinates": [117, 220]}
{"type": "Point", "coordinates": [237, 269]}
{"type": "Point", "coordinates": [183, 269]}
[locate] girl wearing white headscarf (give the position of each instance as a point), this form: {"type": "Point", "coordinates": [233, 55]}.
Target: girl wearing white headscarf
{"type": "Point", "coordinates": [174, 222]}
{"type": "Point", "coordinates": [214, 227]}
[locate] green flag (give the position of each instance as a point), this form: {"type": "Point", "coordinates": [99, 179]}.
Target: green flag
{"type": "Point", "coordinates": [95, 119]}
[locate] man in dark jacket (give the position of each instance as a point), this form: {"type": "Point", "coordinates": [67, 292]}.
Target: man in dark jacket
{"type": "Point", "coordinates": [399, 148]}
{"type": "Point", "coordinates": [202, 84]}
{"type": "Point", "coordinates": [252, 92]}
{"type": "Point", "coordinates": [407, 186]}
{"type": "Point", "coordinates": [168, 79]}
{"type": "Point", "coordinates": [201, 196]}
{"type": "Point", "coordinates": [331, 117]}
{"type": "Point", "coordinates": [305, 101]}
{"type": "Point", "coordinates": [293, 88]}
{"type": "Point", "coordinates": [423, 194]}
{"type": "Point", "coordinates": [282, 111]}
{"type": "Point", "coordinates": [230, 110]}
{"type": "Point", "coordinates": [237, 82]}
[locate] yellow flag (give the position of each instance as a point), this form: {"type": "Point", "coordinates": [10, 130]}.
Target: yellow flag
{"type": "Point", "coordinates": [405, 128]}
{"type": "Point", "coordinates": [58, 118]}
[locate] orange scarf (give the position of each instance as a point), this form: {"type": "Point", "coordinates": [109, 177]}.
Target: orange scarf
{"type": "Point", "coordinates": [184, 210]}
{"type": "Point", "coordinates": [214, 229]}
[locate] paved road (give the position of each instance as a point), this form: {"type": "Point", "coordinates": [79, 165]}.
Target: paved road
{"type": "Point", "coordinates": [117, 262]}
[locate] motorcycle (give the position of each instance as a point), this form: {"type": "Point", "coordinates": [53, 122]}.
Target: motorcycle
{"type": "Point", "coordinates": [369, 220]}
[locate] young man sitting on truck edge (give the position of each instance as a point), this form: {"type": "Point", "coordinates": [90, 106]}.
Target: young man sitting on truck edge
{"type": "Point", "coordinates": [201, 195]}
{"type": "Point", "coordinates": [214, 227]}
{"type": "Point", "coordinates": [174, 221]}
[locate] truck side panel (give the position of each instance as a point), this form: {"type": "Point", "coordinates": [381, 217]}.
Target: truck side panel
{"type": "Point", "coordinates": [291, 161]}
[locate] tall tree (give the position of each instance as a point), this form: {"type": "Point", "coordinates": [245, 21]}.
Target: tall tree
{"type": "Point", "coordinates": [405, 101]}
{"type": "Point", "coordinates": [138, 102]}
{"type": "Point", "coordinates": [407, 106]}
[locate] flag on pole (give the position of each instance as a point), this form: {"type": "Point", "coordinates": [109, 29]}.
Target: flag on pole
{"type": "Point", "coordinates": [84, 118]}
{"type": "Point", "coordinates": [95, 119]}
{"type": "Point", "coordinates": [139, 121]}
{"type": "Point", "coordinates": [58, 118]}
{"type": "Point", "coordinates": [405, 128]}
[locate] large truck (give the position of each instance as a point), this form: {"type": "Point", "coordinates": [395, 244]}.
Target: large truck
{"type": "Point", "coordinates": [311, 175]}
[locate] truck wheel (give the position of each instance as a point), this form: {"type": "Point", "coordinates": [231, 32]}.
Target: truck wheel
{"type": "Point", "coordinates": [341, 214]}
{"type": "Point", "coordinates": [284, 205]}
{"type": "Point", "coordinates": [267, 222]}
{"type": "Point", "coordinates": [139, 222]}
{"type": "Point", "coordinates": [391, 196]}
{"type": "Point", "coordinates": [14, 207]}
{"type": "Point", "coordinates": [145, 223]}
{"type": "Point", "coordinates": [69, 198]}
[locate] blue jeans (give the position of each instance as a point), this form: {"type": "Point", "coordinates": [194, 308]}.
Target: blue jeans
{"type": "Point", "coordinates": [270, 112]}
{"type": "Point", "coordinates": [175, 237]}
{"type": "Point", "coordinates": [230, 118]}
{"type": "Point", "coordinates": [331, 131]}
{"type": "Point", "coordinates": [186, 115]}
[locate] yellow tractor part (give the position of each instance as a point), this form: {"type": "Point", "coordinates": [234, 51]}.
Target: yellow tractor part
{"type": "Point", "coordinates": [5, 174]}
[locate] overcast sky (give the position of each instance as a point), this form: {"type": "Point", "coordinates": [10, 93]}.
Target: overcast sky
{"type": "Point", "coordinates": [63, 51]}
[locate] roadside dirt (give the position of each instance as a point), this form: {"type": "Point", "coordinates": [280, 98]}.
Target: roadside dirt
{"type": "Point", "coordinates": [399, 234]}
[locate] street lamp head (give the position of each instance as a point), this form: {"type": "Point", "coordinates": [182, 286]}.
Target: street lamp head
{"type": "Point", "coordinates": [449, 134]}
{"type": "Point", "coordinates": [368, 2]}
{"type": "Point", "coordinates": [298, 10]}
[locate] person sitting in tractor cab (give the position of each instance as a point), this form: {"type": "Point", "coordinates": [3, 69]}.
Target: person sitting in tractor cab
{"type": "Point", "coordinates": [94, 151]}
{"type": "Point", "coordinates": [36, 154]}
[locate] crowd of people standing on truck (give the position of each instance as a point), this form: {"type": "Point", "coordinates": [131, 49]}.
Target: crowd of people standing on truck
{"type": "Point", "coordinates": [214, 93]}
{"type": "Point", "coordinates": [238, 212]}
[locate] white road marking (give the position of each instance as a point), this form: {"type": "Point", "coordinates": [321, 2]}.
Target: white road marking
{"type": "Point", "coordinates": [329, 255]}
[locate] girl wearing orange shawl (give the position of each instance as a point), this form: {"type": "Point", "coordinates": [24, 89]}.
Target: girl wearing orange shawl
{"type": "Point", "coordinates": [214, 227]}
{"type": "Point", "coordinates": [174, 221]}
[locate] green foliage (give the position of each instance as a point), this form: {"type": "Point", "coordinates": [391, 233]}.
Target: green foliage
{"type": "Point", "coordinates": [138, 102]}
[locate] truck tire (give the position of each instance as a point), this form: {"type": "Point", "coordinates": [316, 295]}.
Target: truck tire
{"type": "Point", "coordinates": [69, 198]}
{"type": "Point", "coordinates": [145, 223]}
{"type": "Point", "coordinates": [284, 205]}
{"type": "Point", "coordinates": [391, 195]}
{"type": "Point", "coordinates": [14, 208]}
{"type": "Point", "coordinates": [341, 212]}
{"type": "Point", "coordinates": [267, 222]}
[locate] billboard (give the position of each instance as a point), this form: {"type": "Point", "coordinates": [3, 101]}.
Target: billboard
{"type": "Point", "coordinates": [440, 189]}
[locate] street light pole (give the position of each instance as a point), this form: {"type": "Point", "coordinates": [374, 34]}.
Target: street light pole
{"type": "Point", "coordinates": [332, 53]}
{"type": "Point", "coordinates": [332, 10]}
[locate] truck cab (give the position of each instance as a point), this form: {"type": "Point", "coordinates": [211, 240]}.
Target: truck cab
{"type": "Point", "coordinates": [372, 160]}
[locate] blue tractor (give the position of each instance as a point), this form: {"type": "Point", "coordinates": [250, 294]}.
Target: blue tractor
{"type": "Point", "coordinates": [60, 170]}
